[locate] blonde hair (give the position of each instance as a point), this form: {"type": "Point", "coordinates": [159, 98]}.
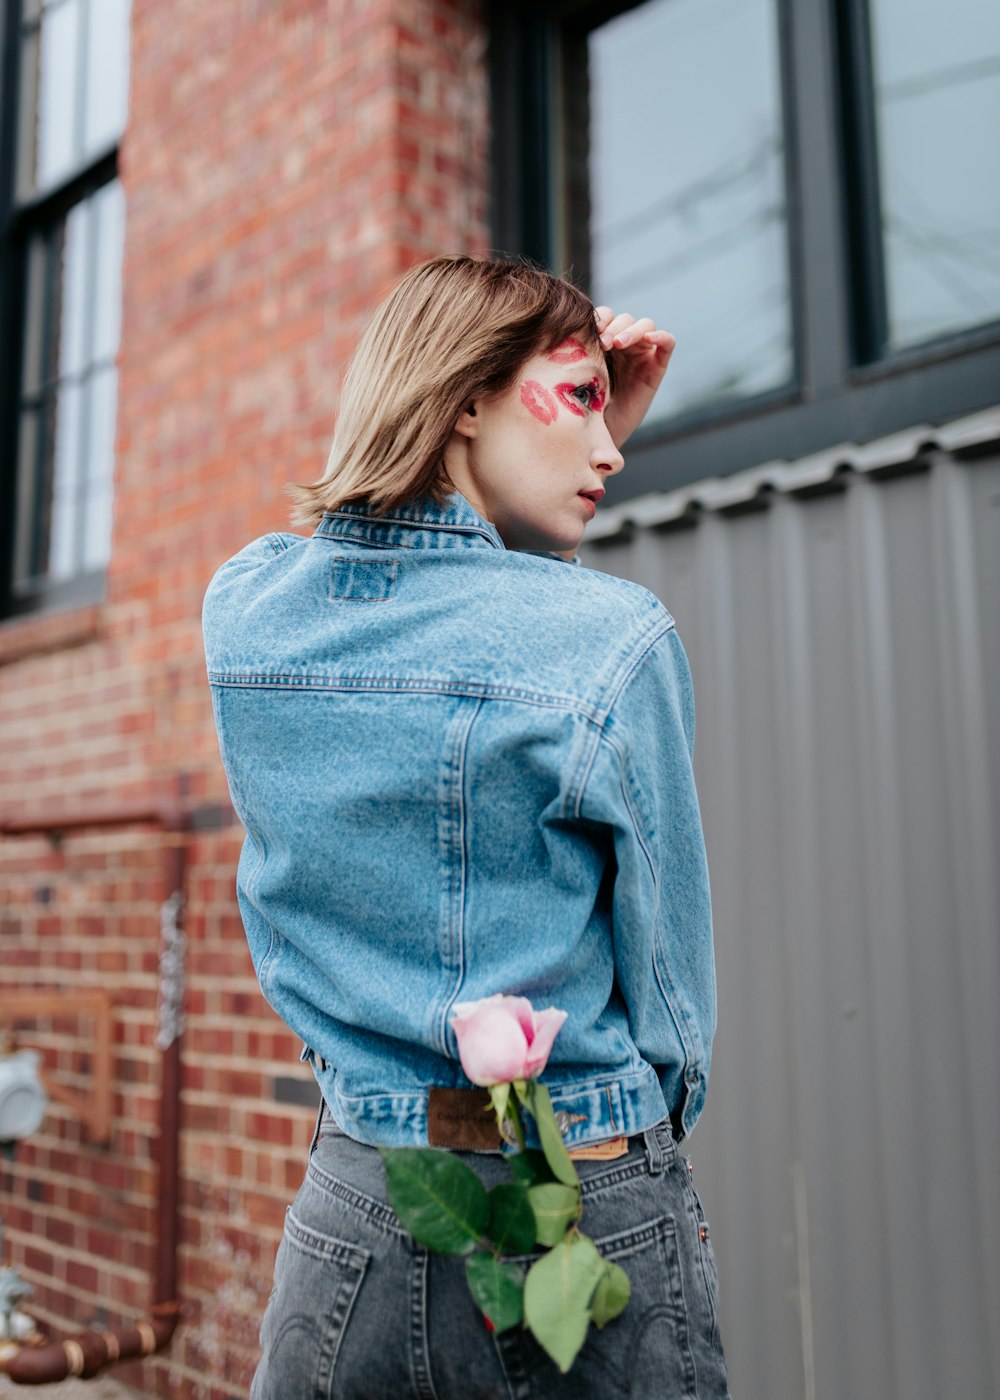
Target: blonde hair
{"type": "Point", "coordinates": [453, 330]}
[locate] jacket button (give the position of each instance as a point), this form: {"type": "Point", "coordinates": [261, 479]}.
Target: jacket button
{"type": "Point", "coordinates": [562, 1121]}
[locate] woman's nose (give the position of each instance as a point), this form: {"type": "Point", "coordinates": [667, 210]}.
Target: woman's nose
{"type": "Point", "coordinates": [605, 456]}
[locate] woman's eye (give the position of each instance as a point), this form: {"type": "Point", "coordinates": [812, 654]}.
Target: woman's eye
{"type": "Point", "coordinates": [586, 393]}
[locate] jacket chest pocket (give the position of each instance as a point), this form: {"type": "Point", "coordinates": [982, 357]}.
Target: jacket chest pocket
{"type": "Point", "coordinates": [360, 580]}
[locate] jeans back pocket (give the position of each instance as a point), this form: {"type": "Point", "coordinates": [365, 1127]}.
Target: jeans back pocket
{"type": "Point", "coordinates": [317, 1279]}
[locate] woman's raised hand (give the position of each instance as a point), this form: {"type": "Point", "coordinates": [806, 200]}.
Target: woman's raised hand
{"type": "Point", "coordinates": [641, 354]}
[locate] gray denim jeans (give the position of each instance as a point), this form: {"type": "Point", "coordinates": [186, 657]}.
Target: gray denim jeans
{"type": "Point", "coordinates": [359, 1311]}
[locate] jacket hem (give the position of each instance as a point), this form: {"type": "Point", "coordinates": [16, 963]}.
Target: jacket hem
{"type": "Point", "coordinates": [594, 1109]}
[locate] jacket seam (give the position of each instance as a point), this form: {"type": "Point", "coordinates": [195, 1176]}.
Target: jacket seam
{"type": "Point", "coordinates": [675, 1014]}
{"type": "Point", "coordinates": [622, 1078]}
{"type": "Point", "coordinates": [456, 854]}
{"type": "Point", "coordinates": [369, 543]}
{"type": "Point", "coordinates": [404, 685]}
{"type": "Point", "coordinates": [649, 640]}
{"type": "Point", "coordinates": [631, 662]}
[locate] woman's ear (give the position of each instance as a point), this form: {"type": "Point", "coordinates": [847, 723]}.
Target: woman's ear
{"type": "Point", "coordinates": [468, 423]}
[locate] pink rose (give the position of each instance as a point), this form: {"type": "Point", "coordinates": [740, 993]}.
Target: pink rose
{"type": "Point", "coordinates": [501, 1038]}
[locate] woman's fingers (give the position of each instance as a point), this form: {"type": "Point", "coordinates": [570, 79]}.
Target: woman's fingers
{"type": "Point", "coordinates": [615, 327]}
{"type": "Point", "coordinates": [641, 353]}
{"type": "Point", "coordinates": [663, 340]}
{"type": "Point", "coordinates": [633, 333]}
{"type": "Point", "coordinates": [619, 332]}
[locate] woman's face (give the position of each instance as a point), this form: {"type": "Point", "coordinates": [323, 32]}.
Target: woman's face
{"type": "Point", "coordinates": [534, 459]}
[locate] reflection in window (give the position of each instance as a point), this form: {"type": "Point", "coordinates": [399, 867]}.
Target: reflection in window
{"type": "Point", "coordinates": [675, 188]}
{"type": "Point", "coordinates": [937, 99]}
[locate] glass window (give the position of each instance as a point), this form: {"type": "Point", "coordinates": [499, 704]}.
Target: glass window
{"type": "Point", "coordinates": [936, 76]}
{"type": "Point", "coordinates": [74, 86]}
{"type": "Point", "coordinates": [69, 388]}
{"type": "Point", "coordinates": [676, 204]}
{"type": "Point", "coordinates": [73, 83]}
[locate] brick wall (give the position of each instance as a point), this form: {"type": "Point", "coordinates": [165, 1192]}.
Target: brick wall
{"type": "Point", "coordinates": [284, 161]}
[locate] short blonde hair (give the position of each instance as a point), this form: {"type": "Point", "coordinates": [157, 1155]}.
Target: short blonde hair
{"type": "Point", "coordinates": [453, 330]}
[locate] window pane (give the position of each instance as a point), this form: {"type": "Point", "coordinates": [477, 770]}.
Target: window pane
{"type": "Point", "coordinates": [66, 487]}
{"type": "Point", "coordinates": [71, 327]}
{"type": "Point", "coordinates": [97, 529]}
{"type": "Point", "coordinates": [107, 72]}
{"type": "Point", "coordinates": [27, 114]}
{"type": "Point", "coordinates": [101, 435]}
{"type": "Point", "coordinates": [687, 198]}
{"type": "Point", "coordinates": [27, 466]}
{"type": "Point", "coordinates": [34, 312]}
{"type": "Point", "coordinates": [109, 210]}
{"type": "Point", "coordinates": [937, 96]}
{"type": "Point", "coordinates": [57, 125]}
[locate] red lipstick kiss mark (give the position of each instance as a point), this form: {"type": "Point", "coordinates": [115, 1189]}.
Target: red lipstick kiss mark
{"type": "Point", "coordinates": [564, 393]}
{"type": "Point", "coordinates": [568, 352]}
{"type": "Point", "coordinates": [538, 401]}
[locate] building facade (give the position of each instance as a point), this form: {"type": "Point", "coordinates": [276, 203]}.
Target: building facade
{"type": "Point", "coordinates": [199, 205]}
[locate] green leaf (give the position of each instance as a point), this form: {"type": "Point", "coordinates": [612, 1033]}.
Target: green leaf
{"type": "Point", "coordinates": [611, 1294]}
{"type": "Point", "coordinates": [557, 1294]}
{"type": "Point", "coordinates": [556, 1207]}
{"type": "Point", "coordinates": [512, 1219]}
{"type": "Point", "coordinates": [439, 1199]}
{"type": "Point", "coordinates": [529, 1168]}
{"type": "Point", "coordinates": [549, 1135]}
{"type": "Point", "coordinates": [498, 1289]}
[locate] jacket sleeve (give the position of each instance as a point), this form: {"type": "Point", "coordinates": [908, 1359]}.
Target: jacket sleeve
{"type": "Point", "coordinates": [641, 786]}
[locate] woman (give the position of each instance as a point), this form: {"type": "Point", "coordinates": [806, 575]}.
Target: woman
{"type": "Point", "coordinates": [464, 767]}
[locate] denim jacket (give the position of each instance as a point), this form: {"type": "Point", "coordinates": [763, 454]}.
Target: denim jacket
{"type": "Point", "coordinates": [464, 770]}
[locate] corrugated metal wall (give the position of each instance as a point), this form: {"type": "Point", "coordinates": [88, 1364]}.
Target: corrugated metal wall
{"type": "Point", "coordinates": [841, 618]}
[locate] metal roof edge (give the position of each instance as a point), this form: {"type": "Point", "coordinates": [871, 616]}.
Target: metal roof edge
{"type": "Point", "coordinates": [756, 484]}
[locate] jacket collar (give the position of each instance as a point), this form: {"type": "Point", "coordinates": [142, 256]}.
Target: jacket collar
{"type": "Point", "coordinates": [418, 524]}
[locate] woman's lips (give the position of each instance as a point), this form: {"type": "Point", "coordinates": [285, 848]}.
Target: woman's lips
{"type": "Point", "coordinates": [592, 498]}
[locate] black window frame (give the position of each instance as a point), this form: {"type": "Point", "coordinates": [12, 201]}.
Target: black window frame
{"type": "Point", "coordinates": [39, 215]}
{"type": "Point", "coordinates": [844, 388]}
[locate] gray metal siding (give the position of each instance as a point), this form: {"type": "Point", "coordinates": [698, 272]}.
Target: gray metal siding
{"type": "Point", "coordinates": [845, 648]}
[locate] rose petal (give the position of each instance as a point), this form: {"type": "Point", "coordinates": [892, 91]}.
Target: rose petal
{"type": "Point", "coordinates": [463, 1009]}
{"type": "Point", "coordinates": [521, 1009]}
{"type": "Point", "coordinates": [491, 1045]}
{"type": "Point", "coordinates": [548, 1024]}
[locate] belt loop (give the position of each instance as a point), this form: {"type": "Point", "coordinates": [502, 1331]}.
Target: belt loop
{"type": "Point", "coordinates": [654, 1151]}
{"type": "Point", "coordinates": [661, 1150]}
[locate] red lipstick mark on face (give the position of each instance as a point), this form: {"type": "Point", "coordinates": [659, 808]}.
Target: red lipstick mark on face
{"type": "Point", "coordinates": [564, 393]}
{"type": "Point", "coordinates": [568, 352]}
{"type": "Point", "coordinates": [538, 401]}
